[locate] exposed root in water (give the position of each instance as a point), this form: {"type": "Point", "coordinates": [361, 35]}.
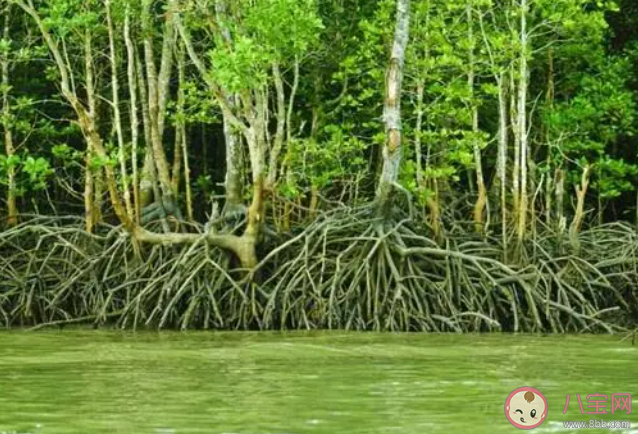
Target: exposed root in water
{"type": "Point", "coordinates": [351, 271]}
{"type": "Point", "coordinates": [55, 273]}
{"type": "Point", "coordinates": [348, 270]}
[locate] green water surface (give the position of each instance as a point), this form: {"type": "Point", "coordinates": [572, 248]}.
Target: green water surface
{"type": "Point", "coordinates": [109, 382]}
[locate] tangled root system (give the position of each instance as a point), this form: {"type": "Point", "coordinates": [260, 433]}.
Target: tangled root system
{"type": "Point", "coordinates": [347, 270]}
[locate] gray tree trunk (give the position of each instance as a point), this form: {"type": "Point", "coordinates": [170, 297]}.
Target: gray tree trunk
{"type": "Point", "coordinates": [392, 107]}
{"type": "Point", "coordinates": [522, 121]}
{"type": "Point", "coordinates": [233, 183]}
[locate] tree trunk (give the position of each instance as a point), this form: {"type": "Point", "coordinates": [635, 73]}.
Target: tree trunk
{"type": "Point", "coordinates": [549, 101]}
{"type": "Point", "coordinates": [93, 183]}
{"type": "Point", "coordinates": [502, 153]}
{"type": "Point", "coordinates": [516, 172]}
{"type": "Point", "coordinates": [116, 112]}
{"type": "Point", "coordinates": [522, 121]}
{"type": "Point", "coordinates": [233, 183]}
{"type": "Point", "coordinates": [560, 198]}
{"type": "Point", "coordinates": [581, 193]}
{"type": "Point", "coordinates": [234, 186]}
{"type": "Point", "coordinates": [392, 108]}
{"type": "Point", "coordinates": [187, 177]}
{"type": "Point", "coordinates": [281, 125]}
{"type": "Point", "coordinates": [12, 209]}
{"type": "Point", "coordinates": [418, 151]}
{"type": "Point", "coordinates": [155, 115]}
{"type": "Point", "coordinates": [181, 145]}
{"type": "Point", "coordinates": [481, 201]}
{"type": "Point", "coordinates": [134, 120]}
{"type": "Point", "coordinates": [252, 123]}
{"type": "Point", "coordinates": [154, 90]}
{"type": "Point", "coordinates": [148, 182]}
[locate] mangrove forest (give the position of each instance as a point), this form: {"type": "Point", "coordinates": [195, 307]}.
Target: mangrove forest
{"type": "Point", "coordinates": [377, 165]}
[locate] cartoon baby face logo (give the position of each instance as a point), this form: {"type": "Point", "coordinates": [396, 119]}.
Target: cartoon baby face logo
{"type": "Point", "coordinates": [526, 408]}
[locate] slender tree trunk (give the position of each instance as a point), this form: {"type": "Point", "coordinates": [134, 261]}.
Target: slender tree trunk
{"type": "Point", "coordinates": [165, 72]}
{"type": "Point", "coordinates": [234, 185]}
{"type": "Point", "coordinates": [418, 131]}
{"type": "Point", "coordinates": [314, 188]}
{"type": "Point", "coordinates": [549, 101]}
{"type": "Point", "coordinates": [434, 209]}
{"type": "Point", "coordinates": [89, 203]}
{"type": "Point", "coordinates": [481, 201]}
{"type": "Point", "coordinates": [116, 113]}
{"type": "Point", "coordinates": [522, 121]}
{"type": "Point", "coordinates": [255, 137]}
{"type": "Point", "coordinates": [93, 183]}
{"type": "Point", "coordinates": [148, 182]}
{"type": "Point", "coordinates": [281, 125]}
{"type": "Point", "coordinates": [176, 169]}
{"type": "Point", "coordinates": [581, 193]}
{"type": "Point", "coordinates": [12, 209]}
{"type": "Point", "coordinates": [502, 153]}
{"type": "Point", "coordinates": [392, 108]}
{"type": "Point", "coordinates": [549, 190]}
{"type": "Point", "coordinates": [430, 197]}
{"type": "Point", "coordinates": [432, 200]}
{"type": "Point", "coordinates": [560, 198]}
{"type": "Point", "coordinates": [314, 202]}
{"type": "Point", "coordinates": [183, 142]}
{"type": "Point", "coordinates": [131, 71]}
{"type": "Point", "coordinates": [187, 170]}
{"type": "Point", "coordinates": [284, 118]}
{"type": "Point", "coordinates": [291, 102]}
{"type": "Point", "coordinates": [154, 106]}
{"type": "Point", "coordinates": [516, 172]}
{"type": "Point", "coordinates": [180, 127]}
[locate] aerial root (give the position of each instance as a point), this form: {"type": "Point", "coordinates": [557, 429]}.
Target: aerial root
{"type": "Point", "coordinates": [352, 271]}
{"type": "Point", "coordinates": [347, 270]}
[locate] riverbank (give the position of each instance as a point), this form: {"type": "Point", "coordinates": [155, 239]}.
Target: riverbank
{"type": "Point", "coordinates": [343, 271]}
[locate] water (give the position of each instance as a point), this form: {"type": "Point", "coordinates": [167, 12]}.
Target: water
{"type": "Point", "coordinates": [109, 382]}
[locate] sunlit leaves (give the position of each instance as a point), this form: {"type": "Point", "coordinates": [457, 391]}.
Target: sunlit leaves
{"type": "Point", "coordinates": [66, 16]}
{"type": "Point", "coordinates": [32, 173]}
{"type": "Point", "coordinates": [262, 33]}
{"type": "Point", "coordinates": [245, 66]}
{"type": "Point", "coordinates": [284, 28]}
{"type": "Point", "coordinates": [591, 120]}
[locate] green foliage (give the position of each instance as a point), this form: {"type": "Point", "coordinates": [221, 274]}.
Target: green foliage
{"type": "Point", "coordinates": [67, 16]}
{"type": "Point", "coordinates": [242, 68]}
{"type": "Point", "coordinates": [284, 28]}
{"type": "Point", "coordinates": [65, 155]}
{"type": "Point", "coordinates": [337, 157]}
{"type": "Point", "coordinates": [463, 58]}
{"type": "Point", "coordinates": [342, 47]}
{"type": "Point", "coordinates": [31, 173]}
{"type": "Point", "coordinates": [614, 176]}
{"type": "Point", "coordinates": [588, 123]}
{"type": "Point", "coordinates": [38, 170]}
{"type": "Point", "coordinates": [270, 32]}
{"type": "Point", "coordinates": [199, 106]}
{"type": "Point", "coordinates": [97, 162]}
